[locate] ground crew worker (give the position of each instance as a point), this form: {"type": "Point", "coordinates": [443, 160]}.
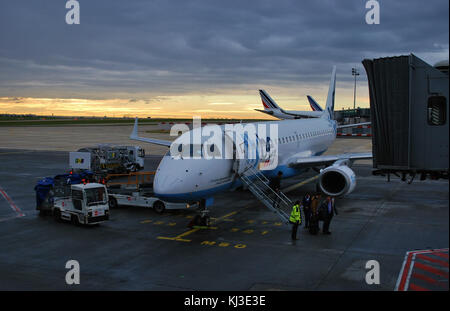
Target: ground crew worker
{"type": "Point", "coordinates": [295, 219]}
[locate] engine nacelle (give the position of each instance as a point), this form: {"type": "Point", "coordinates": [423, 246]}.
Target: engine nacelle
{"type": "Point", "coordinates": [337, 180]}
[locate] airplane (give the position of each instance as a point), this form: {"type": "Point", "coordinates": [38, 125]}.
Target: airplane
{"type": "Point", "coordinates": [271, 108]}
{"type": "Point", "coordinates": [301, 143]}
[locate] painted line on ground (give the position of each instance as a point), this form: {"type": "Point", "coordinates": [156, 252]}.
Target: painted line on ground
{"type": "Point", "coordinates": [181, 236]}
{"type": "Point", "coordinates": [406, 272]}
{"type": "Point", "coordinates": [433, 260]}
{"type": "Point", "coordinates": [11, 203]}
{"type": "Point", "coordinates": [295, 186]}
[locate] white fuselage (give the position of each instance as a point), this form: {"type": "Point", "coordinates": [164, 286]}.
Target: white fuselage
{"type": "Point", "coordinates": [194, 179]}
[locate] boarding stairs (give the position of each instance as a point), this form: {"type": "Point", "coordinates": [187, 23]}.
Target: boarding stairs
{"type": "Point", "coordinates": [258, 184]}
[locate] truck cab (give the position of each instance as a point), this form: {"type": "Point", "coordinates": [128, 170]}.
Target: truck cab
{"type": "Point", "coordinates": [135, 157]}
{"type": "Point", "coordinates": [87, 204]}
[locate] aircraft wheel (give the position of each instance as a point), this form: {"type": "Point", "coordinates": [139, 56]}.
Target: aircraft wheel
{"type": "Point", "coordinates": [159, 207]}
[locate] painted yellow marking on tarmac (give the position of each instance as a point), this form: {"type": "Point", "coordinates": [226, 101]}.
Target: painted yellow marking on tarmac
{"type": "Point", "coordinates": [248, 231]}
{"type": "Point", "coordinates": [158, 222]}
{"type": "Point", "coordinates": [264, 232]}
{"type": "Point", "coordinates": [180, 236]}
{"type": "Point", "coordinates": [208, 243]}
{"type": "Point", "coordinates": [265, 222]}
{"type": "Point", "coordinates": [204, 227]}
{"type": "Point", "coordinates": [225, 216]}
{"type": "Point", "coordinates": [187, 233]}
{"type": "Point", "coordinates": [251, 221]}
{"type": "Point", "coordinates": [146, 221]}
{"type": "Point", "coordinates": [171, 224]}
{"type": "Point", "coordinates": [172, 239]}
{"type": "Point", "coordinates": [235, 229]}
{"type": "Point", "coordinates": [293, 187]}
{"type": "Point", "coordinates": [240, 246]}
{"type": "Point", "coordinates": [222, 244]}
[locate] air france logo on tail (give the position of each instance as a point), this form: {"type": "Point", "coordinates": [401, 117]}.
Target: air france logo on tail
{"type": "Point", "coordinates": [267, 101]}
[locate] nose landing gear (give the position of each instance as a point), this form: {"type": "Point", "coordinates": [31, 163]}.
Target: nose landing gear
{"type": "Point", "coordinates": [202, 219]}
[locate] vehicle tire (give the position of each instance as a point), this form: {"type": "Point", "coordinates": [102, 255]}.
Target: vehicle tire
{"type": "Point", "coordinates": [74, 219]}
{"type": "Point", "coordinates": [57, 215]}
{"type": "Point", "coordinates": [205, 221]}
{"type": "Point", "coordinates": [159, 207]}
{"type": "Point", "coordinates": [112, 203]}
{"type": "Point", "coordinates": [197, 221]}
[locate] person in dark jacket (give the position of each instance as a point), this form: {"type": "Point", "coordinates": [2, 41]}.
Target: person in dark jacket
{"type": "Point", "coordinates": [275, 184]}
{"type": "Point", "coordinates": [306, 203]}
{"type": "Point", "coordinates": [329, 209]}
{"type": "Point", "coordinates": [314, 217]}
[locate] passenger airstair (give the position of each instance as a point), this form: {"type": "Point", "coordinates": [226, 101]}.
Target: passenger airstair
{"type": "Point", "coordinates": [258, 184]}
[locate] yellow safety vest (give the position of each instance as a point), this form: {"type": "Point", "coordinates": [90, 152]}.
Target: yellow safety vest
{"type": "Point", "coordinates": [295, 214]}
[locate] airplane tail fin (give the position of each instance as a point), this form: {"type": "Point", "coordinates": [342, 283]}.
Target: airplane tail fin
{"type": "Point", "coordinates": [329, 108]}
{"type": "Point", "coordinates": [314, 105]}
{"type": "Point", "coordinates": [267, 101]}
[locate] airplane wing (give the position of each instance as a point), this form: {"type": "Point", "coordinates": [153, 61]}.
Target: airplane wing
{"type": "Point", "coordinates": [293, 115]}
{"type": "Point", "coordinates": [327, 159]}
{"type": "Point", "coordinates": [353, 125]}
{"type": "Point", "coordinates": [134, 135]}
{"type": "Point", "coordinates": [304, 114]}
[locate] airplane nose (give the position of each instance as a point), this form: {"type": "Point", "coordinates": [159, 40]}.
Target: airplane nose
{"type": "Point", "coordinates": [167, 182]}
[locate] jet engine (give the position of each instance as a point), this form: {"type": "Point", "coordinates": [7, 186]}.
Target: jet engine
{"type": "Point", "coordinates": [337, 180]}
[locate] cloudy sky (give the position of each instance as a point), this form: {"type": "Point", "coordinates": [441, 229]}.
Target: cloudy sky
{"type": "Point", "coordinates": [201, 57]}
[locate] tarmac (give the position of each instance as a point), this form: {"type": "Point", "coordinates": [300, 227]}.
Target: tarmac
{"type": "Point", "coordinates": [246, 247]}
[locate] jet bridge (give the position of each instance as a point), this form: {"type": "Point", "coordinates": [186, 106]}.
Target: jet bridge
{"type": "Point", "coordinates": [409, 112]}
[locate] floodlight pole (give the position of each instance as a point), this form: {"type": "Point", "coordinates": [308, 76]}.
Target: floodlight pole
{"type": "Point", "coordinates": [354, 73]}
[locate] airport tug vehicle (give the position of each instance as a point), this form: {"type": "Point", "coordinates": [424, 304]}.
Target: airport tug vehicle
{"type": "Point", "coordinates": [87, 204]}
{"type": "Point", "coordinates": [74, 198]}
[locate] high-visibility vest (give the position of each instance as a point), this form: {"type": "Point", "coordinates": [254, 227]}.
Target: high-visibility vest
{"type": "Point", "coordinates": [295, 214]}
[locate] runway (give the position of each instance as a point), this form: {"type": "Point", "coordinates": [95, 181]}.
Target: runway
{"type": "Point", "coordinates": [246, 248]}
